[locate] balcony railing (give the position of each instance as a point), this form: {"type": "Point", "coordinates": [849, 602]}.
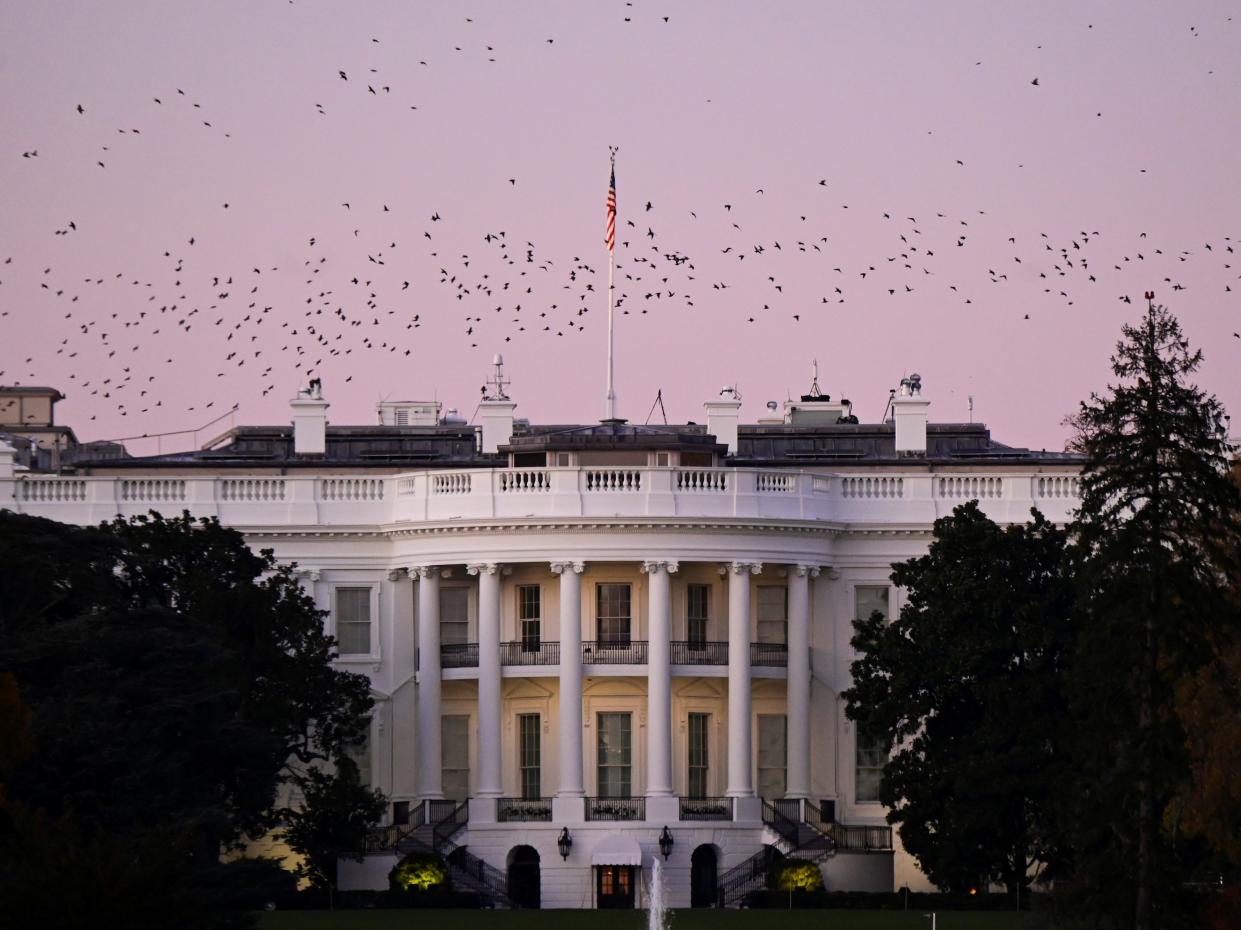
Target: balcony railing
{"type": "Point", "coordinates": [614, 652]}
{"type": "Point", "coordinates": [694, 652]}
{"type": "Point", "coordinates": [616, 808]}
{"type": "Point", "coordinates": [706, 808]}
{"type": "Point", "coordinates": [512, 810]}
{"type": "Point", "coordinates": [526, 652]}
{"type": "Point", "coordinates": [773, 655]}
{"type": "Point", "coordinates": [458, 655]}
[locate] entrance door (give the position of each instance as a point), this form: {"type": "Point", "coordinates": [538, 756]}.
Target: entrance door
{"type": "Point", "coordinates": [702, 877]}
{"type": "Point", "coordinates": [523, 877]}
{"type": "Point", "coordinates": [614, 886]}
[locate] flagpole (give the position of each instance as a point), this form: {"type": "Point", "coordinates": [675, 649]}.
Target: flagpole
{"type": "Point", "coordinates": [610, 405]}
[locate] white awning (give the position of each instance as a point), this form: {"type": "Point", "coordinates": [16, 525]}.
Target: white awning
{"type": "Point", "coordinates": [616, 849]}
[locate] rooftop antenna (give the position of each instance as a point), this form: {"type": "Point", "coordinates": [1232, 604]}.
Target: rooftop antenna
{"type": "Point", "coordinates": [610, 239]}
{"type": "Point", "coordinates": [971, 408]}
{"type": "Point", "coordinates": [814, 378]}
{"type": "Point", "coordinates": [497, 382]}
{"type": "Point", "coordinates": [659, 402]}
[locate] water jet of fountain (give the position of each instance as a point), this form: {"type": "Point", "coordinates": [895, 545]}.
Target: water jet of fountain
{"type": "Point", "coordinates": [655, 919]}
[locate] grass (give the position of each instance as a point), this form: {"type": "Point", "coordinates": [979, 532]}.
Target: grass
{"type": "Point", "coordinates": [636, 920]}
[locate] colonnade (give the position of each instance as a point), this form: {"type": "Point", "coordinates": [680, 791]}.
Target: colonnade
{"type": "Point", "coordinates": [661, 799]}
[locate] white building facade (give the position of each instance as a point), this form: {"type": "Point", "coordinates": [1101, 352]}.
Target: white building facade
{"type": "Point", "coordinates": [603, 634]}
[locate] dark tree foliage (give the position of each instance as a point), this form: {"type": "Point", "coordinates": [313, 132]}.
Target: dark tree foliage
{"type": "Point", "coordinates": [176, 680]}
{"type": "Point", "coordinates": [1157, 531]}
{"type": "Point", "coordinates": [967, 685]}
{"type": "Point", "coordinates": [332, 821]}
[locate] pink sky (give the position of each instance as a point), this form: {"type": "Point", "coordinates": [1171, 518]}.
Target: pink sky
{"type": "Point", "coordinates": [1125, 156]}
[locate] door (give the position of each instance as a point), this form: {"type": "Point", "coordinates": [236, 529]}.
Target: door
{"type": "Point", "coordinates": [614, 886]}
{"type": "Point", "coordinates": [523, 877]}
{"type": "Point", "coordinates": [703, 873]}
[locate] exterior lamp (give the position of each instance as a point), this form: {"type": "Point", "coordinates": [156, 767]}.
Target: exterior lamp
{"type": "Point", "coordinates": [665, 842]}
{"type": "Point", "coordinates": [564, 842]}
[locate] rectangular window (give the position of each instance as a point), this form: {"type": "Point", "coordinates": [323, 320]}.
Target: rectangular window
{"type": "Point", "coordinates": [529, 615]}
{"type": "Point", "coordinates": [353, 621]}
{"type": "Point", "coordinates": [697, 612]}
{"type": "Point", "coordinates": [455, 753]}
{"type": "Point", "coordinates": [772, 755]}
{"type": "Point", "coordinates": [773, 614]}
{"type": "Point", "coordinates": [697, 782]}
{"type": "Point", "coordinates": [615, 756]}
{"type": "Point", "coordinates": [872, 754]}
{"type": "Point", "coordinates": [454, 616]}
{"type": "Point", "coordinates": [360, 753]}
{"type": "Point", "coordinates": [612, 613]}
{"type": "Point", "coordinates": [530, 759]}
{"type": "Point", "coordinates": [871, 599]}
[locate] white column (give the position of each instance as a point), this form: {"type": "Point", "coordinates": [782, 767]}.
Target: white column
{"type": "Point", "coordinates": [572, 784]}
{"type": "Point", "coordinates": [798, 785]}
{"type": "Point", "coordinates": [740, 763]}
{"type": "Point", "coordinates": [430, 755]}
{"type": "Point", "coordinates": [489, 785]}
{"type": "Point", "coordinates": [659, 680]}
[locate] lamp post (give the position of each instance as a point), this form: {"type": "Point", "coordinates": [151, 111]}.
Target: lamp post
{"type": "Point", "coordinates": [564, 843]}
{"type": "Point", "coordinates": [665, 843]}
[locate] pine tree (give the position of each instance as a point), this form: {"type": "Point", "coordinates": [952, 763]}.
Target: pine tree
{"type": "Point", "coordinates": [1156, 538]}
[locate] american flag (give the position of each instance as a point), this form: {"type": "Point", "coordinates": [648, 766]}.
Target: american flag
{"type": "Point", "coordinates": [611, 236]}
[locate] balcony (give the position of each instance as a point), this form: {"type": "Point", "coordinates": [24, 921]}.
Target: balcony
{"type": "Point", "coordinates": [616, 809]}
{"type": "Point", "coordinates": [459, 655]}
{"type": "Point", "coordinates": [614, 652]}
{"type": "Point", "coordinates": [523, 810]}
{"type": "Point", "coordinates": [706, 808]}
{"type": "Point", "coordinates": [696, 652]}
{"type": "Point", "coordinates": [769, 655]}
{"type": "Point", "coordinates": [526, 652]}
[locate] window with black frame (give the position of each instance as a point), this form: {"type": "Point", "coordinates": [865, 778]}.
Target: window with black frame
{"type": "Point", "coordinates": [531, 757]}
{"type": "Point", "coordinates": [529, 610]}
{"type": "Point", "coordinates": [697, 614]}
{"type": "Point", "coordinates": [613, 614]}
{"type": "Point", "coordinates": [697, 739]}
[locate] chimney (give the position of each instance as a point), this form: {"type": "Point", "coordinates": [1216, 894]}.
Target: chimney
{"type": "Point", "coordinates": [723, 416]}
{"type": "Point", "coordinates": [909, 412]}
{"type": "Point", "coordinates": [310, 420]}
{"type": "Point", "coordinates": [496, 410]}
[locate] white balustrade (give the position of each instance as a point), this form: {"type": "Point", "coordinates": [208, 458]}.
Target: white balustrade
{"type": "Point", "coordinates": [406, 487]}
{"type": "Point", "coordinates": [524, 479]}
{"type": "Point", "coordinates": [351, 489]}
{"type": "Point", "coordinates": [152, 489]}
{"type": "Point", "coordinates": [53, 489]}
{"type": "Point", "coordinates": [775, 482]}
{"type": "Point", "coordinates": [252, 489]}
{"type": "Point", "coordinates": [820, 484]}
{"type": "Point", "coordinates": [613, 479]}
{"type": "Point", "coordinates": [702, 479]}
{"type": "Point", "coordinates": [965, 487]}
{"type": "Point", "coordinates": [1059, 486]}
{"type": "Point", "coordinates": [453, 483]}
{"type": "Point", "coordinates": [886, 487]}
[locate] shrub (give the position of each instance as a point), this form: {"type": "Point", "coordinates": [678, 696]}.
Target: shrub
{"type": "Point", "coordinates": [420, 872]}
{"type": "Point", "coordinates": [792, 875]}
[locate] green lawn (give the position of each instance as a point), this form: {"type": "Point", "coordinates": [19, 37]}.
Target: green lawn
{"type": "Point", "coordinates": [631, 920]}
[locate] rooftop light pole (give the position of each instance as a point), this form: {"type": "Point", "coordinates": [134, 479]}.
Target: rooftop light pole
{"type": "Point", "coordinates": [610, 241]}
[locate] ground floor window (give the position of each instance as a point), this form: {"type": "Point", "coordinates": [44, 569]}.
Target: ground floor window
{"type": "Point", "coordinates": [614, 886]}
{"type": "Point", "coordinates": [872, 754]}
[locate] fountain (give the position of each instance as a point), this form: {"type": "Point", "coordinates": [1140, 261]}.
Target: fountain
{"type": "Point", "coordinates": [655, 916]}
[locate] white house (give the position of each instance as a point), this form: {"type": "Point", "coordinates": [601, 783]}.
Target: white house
{"type": "Point", "coordinates": [605, 633]}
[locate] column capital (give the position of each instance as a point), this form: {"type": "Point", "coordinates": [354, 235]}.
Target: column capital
{"type": "Point", "coordinates": [558, 568]}
{"type": "Point", "coordinates": [742, 568]}
{"type": "Point", "coordinates": [652, 566]}
{"type": "Point", "coordinates": [810, 570]}
{"type": "Point", "coordinates": [483, 568]}
{"type": "Point", "coordinates": [423, 571]}
{"type": "Point", "coordinates": [396, 574]}
{"type": "Point", "coordinates": [307, 574]}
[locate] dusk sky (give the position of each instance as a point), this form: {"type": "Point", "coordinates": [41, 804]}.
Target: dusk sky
{"type": "Point", "coordinates": [384, 195]}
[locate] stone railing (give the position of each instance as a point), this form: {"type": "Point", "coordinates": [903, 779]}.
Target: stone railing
{"type": "Point", "coordinates": [909, 498]}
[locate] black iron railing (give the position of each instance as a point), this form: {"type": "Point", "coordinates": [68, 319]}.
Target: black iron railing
{"type": "Point", "coordinates": [458, 655]}
{"type": "Point", "coordinates": [750, 875]}
{"type": "Point", "coordinates": [706, 808]}
{"type": "Point", "coordinates": [448, 825]}
{"type": "Point", "coordinates": [850, 837]}
{"type": "Point", "coordinates": [699, 652]}
{"type": "Point", "coordinates": [526, 652]}
{"type": "Point", "coordinates": [769, 654]}
{"type": "Point", "coordinates": [614, 652]}
{"type": "Point", "coordinates": [616, 808]}
{"type": "Point", "coordinates": [510, 810]}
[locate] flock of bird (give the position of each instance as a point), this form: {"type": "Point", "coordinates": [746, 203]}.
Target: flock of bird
{"type": "Point", "coordinates": [357, 297]}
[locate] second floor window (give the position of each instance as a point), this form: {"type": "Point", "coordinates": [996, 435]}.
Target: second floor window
{"type": "Point", "coordinates": [529, 609]}
{"type": "Point", "coordinates": [698, 766]}
{"type": "Point", "coordinates": [773, 614]}
{"type": "Point", "coordinates": [454, 616]}
{"type": "Point", "coordinates": [530, 760]}
{"type": "Point", "coordinates": [697, 613]}
{"type": "Point", "coordinates": [615, 757]}
{"type": "Point", "coordinates": [353, 621]}
{"type": "Point", "coordinates": [613, 614]}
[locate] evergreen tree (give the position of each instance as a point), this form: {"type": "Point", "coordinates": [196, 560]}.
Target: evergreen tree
{"type": "Point", "coordinates": [1157, 532]}
{"type": "Point", "coordinates": [967, 684]}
